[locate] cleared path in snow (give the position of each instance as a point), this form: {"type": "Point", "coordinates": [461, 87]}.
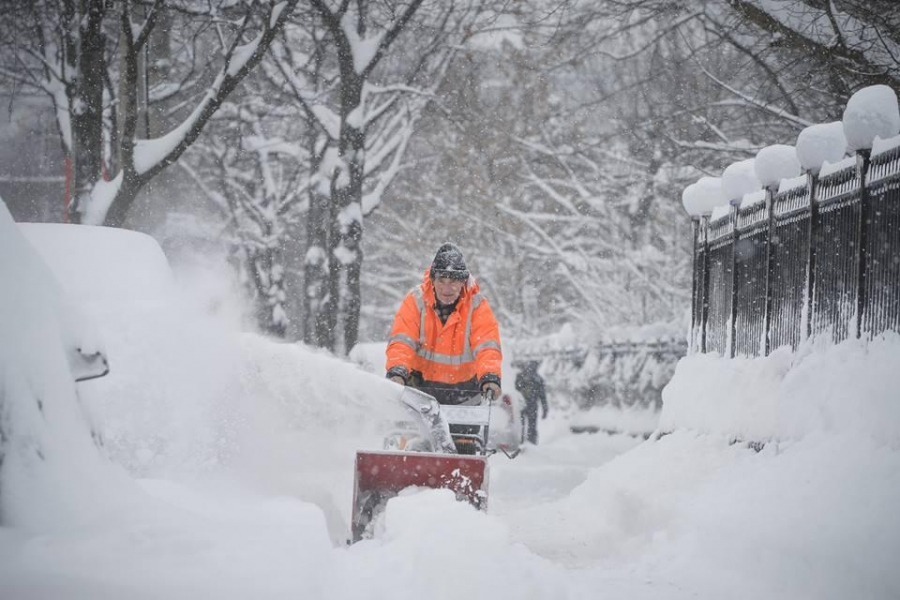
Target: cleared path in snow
{"type": "Point", "coordinates": [552, 469]}
{"type": "Point", "coordinates": [525, 492]}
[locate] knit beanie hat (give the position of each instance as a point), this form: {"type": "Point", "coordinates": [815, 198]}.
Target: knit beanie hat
{"type": "Point", "coordinates": [449, 262]}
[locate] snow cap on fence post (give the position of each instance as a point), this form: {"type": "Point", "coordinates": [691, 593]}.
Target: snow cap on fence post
{"type": "Point", "coordinates": [739, 179]}
{"type": "Point", "coordinates": [820, 143]}
{"type": "Point", "coordinates": [701, 197]}
{"type": "Point", "coordinates": [774, 163]}
{"type": "Point", "coordinates": [871, 112]}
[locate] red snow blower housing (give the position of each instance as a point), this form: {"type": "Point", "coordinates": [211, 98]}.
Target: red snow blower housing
{"type": "Point", "coordinates": [440, 446]}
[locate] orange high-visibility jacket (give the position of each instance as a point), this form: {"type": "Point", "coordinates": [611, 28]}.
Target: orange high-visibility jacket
{"type": "Point", "coordinates": [466, 347]}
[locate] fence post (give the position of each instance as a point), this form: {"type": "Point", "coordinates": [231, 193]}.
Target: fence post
{"type": "Point", "coordinates": [695, 289]}
{"type": "Point", "coordinates": [863, 158]}
{"type": "Point", "coordinates": [704, 284]}
{"type": "Point", "coordinates": [735, 204]}
{"type": "Point", "coordinates": [770, 268]}
{"type": "Point", "coordinates": [812, 180]}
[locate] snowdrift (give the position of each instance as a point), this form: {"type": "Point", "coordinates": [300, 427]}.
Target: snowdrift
{"type": "Point", "coordinates": [846, 389]}
{"type": "Point", "coordinates": [230, 460]}
{"type": "Point", "coordinates": [188, 397]}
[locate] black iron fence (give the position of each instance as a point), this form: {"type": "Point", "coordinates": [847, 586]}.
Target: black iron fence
{"type": "Point", "coordinates": [818, 259]}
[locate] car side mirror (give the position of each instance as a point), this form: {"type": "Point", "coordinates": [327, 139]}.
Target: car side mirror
{"type": "Point", "coordinates": [86, 366]}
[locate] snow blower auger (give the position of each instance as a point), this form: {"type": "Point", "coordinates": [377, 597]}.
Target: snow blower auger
{"type": "Point", "coordinates": [442, 446]}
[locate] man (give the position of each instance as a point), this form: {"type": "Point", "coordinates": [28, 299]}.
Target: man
{"type": "Point", "coordinates": [445, 339]}
{"type": "Point", "coordinates": [532, 387]}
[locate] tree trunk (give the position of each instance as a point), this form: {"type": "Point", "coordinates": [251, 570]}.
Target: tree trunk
{"type": "Point", "coordinates": [87, 109]}
{"type": "Point", "coordinates": [318, 326]}
{"type": "Point", "coordinates": [346, 225]}
{"type": "Point", "coordinates": [268, 279]}
{"type": "Point", "coordinates": [128, 191]}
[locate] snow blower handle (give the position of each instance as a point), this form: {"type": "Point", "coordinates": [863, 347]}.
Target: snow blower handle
{"type": "Point", "coordinates": [488, 394]}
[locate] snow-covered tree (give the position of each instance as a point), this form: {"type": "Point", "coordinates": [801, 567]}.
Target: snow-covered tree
{"type": "Point", "coordinates": [255, 177]}
{"type": "Point", "coordinates": [361, 74]}
{"type": "Point", "coordinates": [560, 147]}
{"type": "Point", "coordinates": [94, 60]}
{"type": "Point", "coordinates": [559, 223]}
{"type": "Point", "coordinates": [343, 87]}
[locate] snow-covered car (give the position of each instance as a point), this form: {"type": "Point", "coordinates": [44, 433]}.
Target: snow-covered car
{"type": "Point", "coordinates": [47, 441]}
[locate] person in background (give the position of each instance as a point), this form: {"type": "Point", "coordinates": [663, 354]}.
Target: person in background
{"type": "Point", "coordinates": [445, 339]}
{"type": "Point", "coordinates": [531, 385]}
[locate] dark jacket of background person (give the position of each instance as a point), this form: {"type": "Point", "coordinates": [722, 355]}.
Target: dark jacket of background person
{"type": "Point", "coordinates": [531, 385]}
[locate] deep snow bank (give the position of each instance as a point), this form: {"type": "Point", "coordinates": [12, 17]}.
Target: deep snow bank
{"type": "Point", "coordinates": [249, 445]}
{"type": "Point", "coordinates": [848, 388]}
{"type": "Point", "coordinates": [187, 392]}
{"type": "Point", "coordinates": [189, 396]}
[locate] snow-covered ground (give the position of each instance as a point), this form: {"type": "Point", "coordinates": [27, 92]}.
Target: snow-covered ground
{"type": "Point", "coordinates": [226, 469]}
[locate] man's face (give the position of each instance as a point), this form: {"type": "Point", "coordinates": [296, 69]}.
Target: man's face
{"type": "Point", "coordinates": [447, 290]}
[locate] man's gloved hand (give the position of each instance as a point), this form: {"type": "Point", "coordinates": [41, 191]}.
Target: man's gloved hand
{"type": "Point", "coordinates": [398, 379]}
{"type": "Point", "coordinates": [492, 389]}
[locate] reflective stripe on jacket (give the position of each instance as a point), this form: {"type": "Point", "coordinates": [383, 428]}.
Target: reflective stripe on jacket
{"type": "Point", "coordinates": [467, 346]}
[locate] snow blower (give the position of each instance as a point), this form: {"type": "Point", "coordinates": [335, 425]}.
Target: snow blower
{"type": "Point", "coordinates": [440, 446]}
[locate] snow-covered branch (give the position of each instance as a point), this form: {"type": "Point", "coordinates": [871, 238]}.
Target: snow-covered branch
{"type": "Point", "coordinates": [151, 156]}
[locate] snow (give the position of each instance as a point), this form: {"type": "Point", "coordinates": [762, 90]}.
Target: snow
{"type": "Point", "coordinates": [844, 389]}
{"type": "Point", "coordinates": [567, 338]}
{"type": "Point", "coordinates": [871, 112]}
{"type": "Point", "coordinates": [701, 197]}
{"type": "Point", "coordinates": [793, 183]}
{"type": "Point", "coordinates": [659, 331]}
{"type": "Point", "coordinates": [101, 252]}
{"type": "Point", "coordinates": [242, 54]}
{"type": "Point", "coordinates": [149, 153]}
{"type": "Point", "coordinates": [276, 13]}
{"type": "Point", "coordinates": [322, 179]}
{"type": "Point", "coordinates": [820, 143]}
{"type": "Point", "coordinates": [719, 212]}
{"type": "Point", "coordinates": [363, 49]}
{"type": "Point", "coordinates": [845, 163]}
{"type": "Point", "coordinates": [630, 420]}
{"type": "Point", "coordinates": [757, 197]}
{"type": "Point", "coordinates": [740, 178]}
{"type": "Point", "coordinates": [102, 197]}
{"type": "Point", "coordinates": [776, 162]}
{"type": "Point", "coordinates": [350, 214]}
{"type": "Point", "coordinates": [344, 255]}
{"type": "Point", "coordinates": [369, 356]}
{"type": "Point", "coordinates": [495, 31]}
{"type": "Point", "coordinates": [230, 460]}
{"type": "Point", "coordinates": [882, 146]}
{"type": "Point", "coordinates": [315, 256]}
{"type": "Point", "coordinates": [52, 477]}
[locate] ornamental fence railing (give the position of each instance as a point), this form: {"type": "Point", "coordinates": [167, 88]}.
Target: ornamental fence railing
{"type": "Point", "coordinates": [820, 258]}
{"type": "Point", "coordinates": [617, 374]}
